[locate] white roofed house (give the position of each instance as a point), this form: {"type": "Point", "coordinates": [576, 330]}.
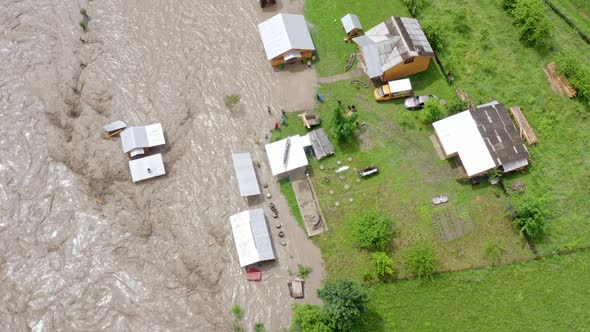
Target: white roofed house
{"type": "Point", "coordinates": [286, 39]}
{"type": "Point", "coordinates": [136, 140]}
{"type": "Point", "coordinates": [251, 237]}
{"type": "Point", "coordinates": [287, 157]}
{"type": "Point", "coordinates": [483, 139]}
{"type": "Point", "coordinates": [351, 25]}
{"type": "Point", "coordinates": [394, 49]}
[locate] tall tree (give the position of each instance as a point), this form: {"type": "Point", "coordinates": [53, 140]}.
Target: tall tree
{"type": "Point", "coordinates": [345, 303]}
{"type": "Point", "coordinates": [343, 127]}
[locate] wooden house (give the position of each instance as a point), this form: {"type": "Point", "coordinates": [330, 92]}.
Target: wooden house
{"type": "Point", "coordinates": [286, 39]}
{"type": "Point", "coordinates": [394, 49]}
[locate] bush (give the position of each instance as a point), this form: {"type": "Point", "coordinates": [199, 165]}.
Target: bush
{"type": "Point", "coordinates": [457, 106]}
{"type": "Point", "coordinates": [414, 6]}
{"type": "Point", "coordinates": [529, 17]}
{"type": "Point", "coordinates": [309, 318]}
{"type": "Point", "coordinates": [531, 217]}
{"type": "Point", "coordinates": [432, 111]}
{"type": "Point", "coordinates": [343, 127]}
{"type": "Point", "coordinates": [421, 261]}
{"type": "Point", "coordinates": [304, 271]}
{"type": "Point", "coordinates": [577, 73]}
{"type": "Point", "coordinates": [373, 231]}
{"type": "Point", "coordinates": [434, 32]}
{"type": "Point", "coordinates": [231, 101]}
{"type": "Point", "coordinates": [382, 264]}
{"type": "Point", "coordinates": [259, 327]}
{"type": "Point", "coordinates": [494, 252]}
{"type": "Point", "coordinates": [237, 311]}
{"type": "Point", "coordinates": [345, 304]}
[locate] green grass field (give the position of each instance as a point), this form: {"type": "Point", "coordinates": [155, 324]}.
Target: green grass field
{"type": "Point", "coordinates": [578, 11]}
{"type": "Point", "coordinates": [546, 295]}
{"type": "Point", "coordinates": [500, 68]}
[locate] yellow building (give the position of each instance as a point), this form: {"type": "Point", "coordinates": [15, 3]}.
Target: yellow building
{"type": "Point", "coordinates": [394, 49]}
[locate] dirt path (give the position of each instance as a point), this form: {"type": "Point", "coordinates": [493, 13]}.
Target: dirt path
{"type": "Point", "coordinates": [341, 77]}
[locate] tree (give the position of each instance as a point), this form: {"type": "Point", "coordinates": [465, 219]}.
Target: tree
{"type": "Point", "coordinates": [309, 318]}
{"type": "Point", "coordinates": [529, 16]}
{"type": "Point", "coordinates": [343, 126]}
{"type": "Point", "coordinates": [382, 264]}
{"type": "Point", "coordinates": [414, 6]}
{"type": "Point", "coordinates": [531, 217]}
{"type": "Point", "coordinates": [432, 111]}
{"type": "Point", "coordinates": [421, 261]}
{"type": "Point", "coordinates": [345, 303]}
{"type": "Point", "coordinates": [434, 33]}
{"type": "Point", "coordinates": [373, 231]}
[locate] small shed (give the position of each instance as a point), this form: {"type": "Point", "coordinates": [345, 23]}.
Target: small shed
{"type": "Point", "coordinates": [114, 128]}
{"type": "Point", "coordinates": [287, 157]}
{"type": "Point", "coordinates": [251, 237]}
{"type": "Point", "coordinates": [246, 175]}
{"type": "Point", "coordinates": [320, 143]}
{"type": "Point", "coordinates": [286, 39]}
{"type": "Point", "coordinates": [147, 167]}
{"type": "Point", "coordinates": [135, 139]}
{"type": "Point", "coordinates": [352, 26]}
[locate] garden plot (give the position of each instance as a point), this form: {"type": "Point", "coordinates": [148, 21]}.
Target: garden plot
{"type": "Point", "coordinates": [449, 224]}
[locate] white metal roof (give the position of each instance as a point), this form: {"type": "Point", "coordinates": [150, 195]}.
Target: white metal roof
{"type": "Point", "coordinates": [400, 85]}
{"type": "Point", "coordinates": [247, 181]}
{"type": "Point", "coordinates": [351, 22]}
{"type": "Point", "coordinates": [114, 126]}
{"type": "Point", "coordinates": [284, 32]}
{"type": "Point", "coordinates": [142, 137]}
{"type": "Point", "coordinates": [459, 134]}
{"type": "Point", "coordinates": [295, 157]}
{"type": "Point", "coordinates": [147, 167]}
{"type": "Point", "coordinates": [251, 237]}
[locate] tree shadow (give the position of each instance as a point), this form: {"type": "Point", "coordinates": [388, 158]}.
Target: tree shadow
{"type": "Point", "coordinates": [372, 321]}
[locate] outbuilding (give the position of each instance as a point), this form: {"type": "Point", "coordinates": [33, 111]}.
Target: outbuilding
{"type": "Point", "coordinates": [147, 167]}
{"type": "Point", "coordinates": [135, 140]}
{"type": "Point", "coordinates": [286, 39]}
{"type": "Point", "coordinates": [246, 174]}
{"type": "Point", "coordinates": [351, 25]}
{"type": "Point", "coordinates": [251, 237]}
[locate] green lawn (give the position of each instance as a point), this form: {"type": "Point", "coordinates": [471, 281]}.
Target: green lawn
{"type": "Point", "coordinates": [578, 11]}
{"type": "Point", "coordinates": [547, 295]}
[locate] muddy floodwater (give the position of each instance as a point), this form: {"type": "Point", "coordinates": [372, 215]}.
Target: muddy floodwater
{"type": "Point", "coordinates": [81, 246]}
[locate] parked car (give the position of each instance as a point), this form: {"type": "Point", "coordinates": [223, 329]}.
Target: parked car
{"type": "Point", "coordinates": [394, 89]}
{"type": "Point", "coordinates": [416, 102]}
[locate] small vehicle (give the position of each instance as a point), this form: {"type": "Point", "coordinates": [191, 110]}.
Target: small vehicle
{"type": "Point", "coordinates": [416, 102]}
{"type": "Point", "coordinates": [394, 89]}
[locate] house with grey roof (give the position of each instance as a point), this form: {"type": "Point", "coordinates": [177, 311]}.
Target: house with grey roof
{"type": "Point", "coordinates": [286, 39]}
{"type": "Point", "coordinates": [393, 49]}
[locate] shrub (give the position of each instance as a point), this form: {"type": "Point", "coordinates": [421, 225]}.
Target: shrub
{"type": "Point", "coordinates": [432, 111]}
{"type": "Point", "coordinates": [304, 271]}
{"type": "Point", "coordinates": [382, 264]}
{"type": "Point", "coordinates": [494, 252]}
{"type": "Point", "coordinates": [373, 231]}
{"type": "Point", "coordinates": [531, 216]}
{"type": "Point", "coordinates": [434, 32]}
{"type": "Point", "coordinates": [345, 303]}
{"type": "Point", "coordinates": [309, 318]}
{"type": "Point", "coordinates": [457, 106]}
{"type": "Point", "coordinates": [414, 6]}
{"type": "Point", "coordinates": [577, 73]}
{"type": "Point", "coordinates": [343, 127]}
{"type": "Point", "coordinates": [259, 327]}
{"type": "Point", "coordinates": [237, 311]}
{"type": "Point", "coordinates": [529, 17]}
{"type": "Point", "coordinates": [231, 101]}
{"type": "Point", "coordinates": [421, 261]}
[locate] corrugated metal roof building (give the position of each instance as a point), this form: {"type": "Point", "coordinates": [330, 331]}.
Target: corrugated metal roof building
{"type": "Point", "coordinates": [251, 237]}
{"type": "Point", "coordinates": [246, 175]}
{"type": "Point", "coordinates": [286, 38]}
{"type": "Point", "coordinates": [135, 139]}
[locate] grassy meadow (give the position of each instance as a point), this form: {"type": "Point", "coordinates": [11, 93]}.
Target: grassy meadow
{"type": "Point", "coordinates": [578, 11]}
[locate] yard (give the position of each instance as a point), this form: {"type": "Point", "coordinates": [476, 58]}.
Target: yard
{"type": "Point", "coordinates": [578, 11]}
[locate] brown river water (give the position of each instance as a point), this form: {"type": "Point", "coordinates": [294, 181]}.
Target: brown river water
{"type": "Point", "coordinates": [82, 248]}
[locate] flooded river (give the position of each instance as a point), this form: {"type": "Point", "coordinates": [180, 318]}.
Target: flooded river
{"type": "Point", "coordinates": [81, 246]}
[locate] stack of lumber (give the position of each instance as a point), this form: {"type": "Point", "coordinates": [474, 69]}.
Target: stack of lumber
{"type": "Point", "coordinates": [526, 131]}
{"type": "Point", "coordinates": [465, 97]}
{"type": "Point", "coordinates": [558, 82]}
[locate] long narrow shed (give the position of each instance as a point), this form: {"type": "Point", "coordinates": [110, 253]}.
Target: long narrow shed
{"type": "Point", "coordinates": [251, 237]}
{"type": "Point", "coordinates": [320, 143]}
{"type": "Point", "coordinates": [246, 175]}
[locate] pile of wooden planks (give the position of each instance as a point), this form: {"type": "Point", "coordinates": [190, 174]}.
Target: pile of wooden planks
{"type": "Point", "coordinates": [465, 97]}
{"type": "Point", "coordinates": [526, 131]}
{"type": "Point", "coordinates": [558, 82]}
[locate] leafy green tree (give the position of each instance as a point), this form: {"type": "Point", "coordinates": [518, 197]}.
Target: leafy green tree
{"type": "Point", "coordinates": [382, 264]}
{"type": "Point", "coordinates": [421, 260]}
{"type": "Point", "coordinates": [343, 127]}
{"type": "Point", "coordinates": [309, 318]}
{"type": "Point", "coordinates": [531, 216]}
{"type": "Point", "coordinates": [529, 16]}
{"type": "Point", "coordinates": [414, 6]}
{"type": "Point", "coordinates": [345, 304]}
{"type": "Point", "coordinates": [432, 111]}
{"type": "Point", "coordinates": [435, 33]}
{"type": "Point", "coordinates": [373, 231]}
